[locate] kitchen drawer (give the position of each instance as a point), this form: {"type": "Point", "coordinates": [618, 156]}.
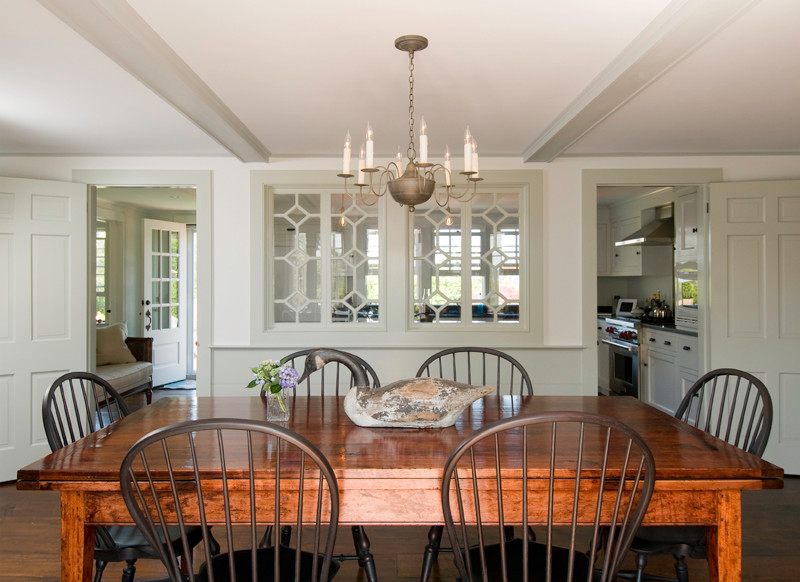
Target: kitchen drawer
{"type": "Point", "coordinates": [687, 348]}
{"type": "Point", "coordinates": [663, 341]}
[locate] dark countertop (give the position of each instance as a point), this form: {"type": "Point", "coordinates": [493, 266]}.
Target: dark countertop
{"type": "Point", "coordinates": [670, 327]}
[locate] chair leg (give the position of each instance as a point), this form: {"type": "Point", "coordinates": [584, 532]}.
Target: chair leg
{"type": "Point", "coordinates": [129, 572]}
{"type": "Point", "coordinates": [365, 559]}
{"type": "Point", "coordinates": [641, 564]}
{"type": "Point", "coordinates": [98, 570]}
{"type": "Point", "coordinates": [431, 551]}
{"type": "Point", "coordinates": [286, 534]}
{"type": "Point", "coordinates": [266, 540]}
{"type": "Point", "coordinates": [681, 570]}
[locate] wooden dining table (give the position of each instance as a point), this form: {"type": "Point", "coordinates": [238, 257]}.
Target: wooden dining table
{"type": "Point", "coordinates": [391, 476]}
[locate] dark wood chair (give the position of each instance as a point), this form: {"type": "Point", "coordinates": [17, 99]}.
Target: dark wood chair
{"type": "Point", "coordinates": [270, 469]}
{"type": "Point", "coordinates": [334, 378]}
{"type": "Point", "coordinates": [337, 379]}
{"type": "Point", "coordinates": [470, 365]}
{"type": "Point", "coordinates": [729, 404]}
{"type": "Point", "coordinates": [479, 366]}
{"type": "Point", "coordinates": [573, 471]}
{"type": "Point", "coordinates": [76, 405]}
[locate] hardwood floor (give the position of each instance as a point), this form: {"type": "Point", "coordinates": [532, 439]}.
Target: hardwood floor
{"type": "Point", "coordinates": [30, 539]}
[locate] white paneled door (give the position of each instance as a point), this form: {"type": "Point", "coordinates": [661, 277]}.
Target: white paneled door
{"type": "Point", "coordinates": [43, 306]}
{"type": "Point", "coordinates": [755, 297]}
{"type": "Point", "coordinates": [165, 306]}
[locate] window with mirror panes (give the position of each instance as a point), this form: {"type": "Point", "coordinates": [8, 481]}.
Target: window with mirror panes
{"type": "Point", "coordinates": [326, 260]}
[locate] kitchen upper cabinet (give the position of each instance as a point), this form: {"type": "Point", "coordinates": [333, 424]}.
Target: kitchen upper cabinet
{"type": "Point", "coordinates": [686, 226]}
{"type": "Point", "coordinates": [626, 260]}
{"type": "Point", "coordinates": [603, 249]}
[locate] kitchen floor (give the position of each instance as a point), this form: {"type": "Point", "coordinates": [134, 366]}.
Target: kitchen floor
{"type": "Point", "coordinates": [30, 539]}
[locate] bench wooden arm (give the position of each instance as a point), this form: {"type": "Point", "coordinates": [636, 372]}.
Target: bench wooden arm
{"type": "Point", "coordinates": [141, 348]}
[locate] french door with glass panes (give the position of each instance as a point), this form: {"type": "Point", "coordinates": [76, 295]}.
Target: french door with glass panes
{"type": "Point", "coordinates": [165, 307]}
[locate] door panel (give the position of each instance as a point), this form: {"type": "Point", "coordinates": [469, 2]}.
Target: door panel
{"type": "Point", "coordinates": [43, 306]}
{"type": "Point", "coordinates": [754, 324]}
{"type": "Point", "coordinates": [165, 298]}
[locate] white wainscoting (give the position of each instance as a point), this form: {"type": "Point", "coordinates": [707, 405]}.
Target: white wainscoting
{"type": "Point", "coordinates": [552, 370]}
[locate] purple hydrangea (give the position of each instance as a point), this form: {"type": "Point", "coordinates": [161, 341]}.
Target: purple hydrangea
{"type": "Point", "coordinates": [287, 376]}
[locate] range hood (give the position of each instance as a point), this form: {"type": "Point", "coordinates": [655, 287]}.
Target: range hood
{"type": "Point", "coordinates": [660, 231]}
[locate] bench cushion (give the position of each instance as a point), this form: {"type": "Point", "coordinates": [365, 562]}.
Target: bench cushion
{"type": "Point", "coordinates": [123, 377]}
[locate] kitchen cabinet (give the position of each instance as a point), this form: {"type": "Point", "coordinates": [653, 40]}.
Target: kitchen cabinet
{"type": "Point", "coordinates": [670, 366]}
{"type": "Point", "coordinates": [626, 260]}
{"type": "Point", "coordinates": [634, 260]}
{"type": "Point", "coordinates": [686, 227]}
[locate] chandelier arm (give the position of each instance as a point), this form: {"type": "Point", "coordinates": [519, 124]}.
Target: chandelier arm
{"type": "Point", "coordinates": [382, 187]}
{"type": "Point", "coordinates": [364, 200]}
{"type": "Point", "coordinates": [446, 201]}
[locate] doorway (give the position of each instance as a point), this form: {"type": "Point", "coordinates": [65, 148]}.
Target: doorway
{"type": "Point", "coordinates": [160, 188]}
{"type": "Point", "coordinates": [144, 270]}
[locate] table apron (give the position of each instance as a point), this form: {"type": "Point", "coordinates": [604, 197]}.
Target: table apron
{"type": "Point", "coordinates": [419, 503]}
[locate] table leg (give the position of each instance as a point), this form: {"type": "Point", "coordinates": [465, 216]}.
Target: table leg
{"type": "Point", "coordinates": [725, 540]}
{"type": "Point", "coordinates": [77, 539]}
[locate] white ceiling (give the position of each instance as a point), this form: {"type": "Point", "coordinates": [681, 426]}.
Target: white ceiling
{"type": "Point", "coordinates": [151, 197]}
{"type": "Point", "coordinates": [534, 79]}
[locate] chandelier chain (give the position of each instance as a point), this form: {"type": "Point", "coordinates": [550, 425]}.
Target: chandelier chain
{"type": "Point", "coordinates": [412, 151]}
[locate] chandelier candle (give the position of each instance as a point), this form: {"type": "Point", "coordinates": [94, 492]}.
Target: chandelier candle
{"type": "Point", "coordinates": [423, 143]}
{"type": "Point", "coordinates": [361, 166]}
{"type": "Point", "coordinates": [474, 167]}
{"type": "Point", "coordinates": [446, 165]}
{"type": "Point", "coordinates": [467, 151]}
{"type": "Point", "coordinates": [399, 162]}
{"type": "Point", "coordinates": [346, 157]}
{"type": "Point", "coordinates": [370, 147]}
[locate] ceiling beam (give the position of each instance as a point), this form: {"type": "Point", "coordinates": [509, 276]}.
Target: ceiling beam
{"type": "Point", "coordinates": [117, 30]}
{"type": "Point", "coordinates": [682, 27]}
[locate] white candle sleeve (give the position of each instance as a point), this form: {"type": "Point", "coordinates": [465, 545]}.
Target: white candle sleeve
{"type": "Point", "coordinates": [370, 149]}
{"type": "Point", "coordinates": [475, 164]}
{"type": "Point", "coordinates": [447, 172]}
{"type": "Point", "coordinates": [423, 149]}
{"type": "Point", "coordinates": [346, 161]}
{"type": "Point", "coordinates": [361, 172]}
{"type": "Point", "coordinates": [467, 157]}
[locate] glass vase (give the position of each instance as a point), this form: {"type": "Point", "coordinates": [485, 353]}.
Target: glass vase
{"type": "Point", "coordinates": [278, 405]}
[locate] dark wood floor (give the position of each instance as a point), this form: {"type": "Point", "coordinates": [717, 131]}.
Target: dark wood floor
{"type": "Point", "coordinates": [30, 540]}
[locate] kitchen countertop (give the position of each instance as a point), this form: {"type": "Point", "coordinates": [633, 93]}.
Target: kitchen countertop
{"type": "Point", "coordinates": [670, 327]}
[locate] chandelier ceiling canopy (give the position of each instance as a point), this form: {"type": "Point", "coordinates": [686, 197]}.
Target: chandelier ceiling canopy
{"type": "Point", "coordinates": [416, 182]}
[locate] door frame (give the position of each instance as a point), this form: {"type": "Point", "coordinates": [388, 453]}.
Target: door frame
{"type": "Point", "coordinates": [590, 180]}
{"type": "Point", "coordinates": [202, 181]}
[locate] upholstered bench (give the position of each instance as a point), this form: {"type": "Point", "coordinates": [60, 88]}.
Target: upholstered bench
{"type": "Point", "coordinates": [125, 362]}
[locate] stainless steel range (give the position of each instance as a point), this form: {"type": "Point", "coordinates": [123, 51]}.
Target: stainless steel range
{"type": "Point", "coordinates": [622, 336]}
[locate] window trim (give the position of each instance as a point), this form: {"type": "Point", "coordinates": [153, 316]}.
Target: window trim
{"type": "Point", "coordinates": [399, 334]}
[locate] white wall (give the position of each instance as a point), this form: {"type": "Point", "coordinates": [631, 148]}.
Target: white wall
{"type": "Point", "coordinates": [566, 362]}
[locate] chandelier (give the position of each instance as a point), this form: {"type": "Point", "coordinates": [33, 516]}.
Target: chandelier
{"type": "Point", "coordinates": [416, 183]}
